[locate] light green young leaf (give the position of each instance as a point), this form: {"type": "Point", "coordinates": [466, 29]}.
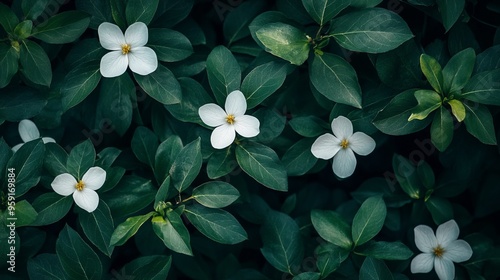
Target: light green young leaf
{"type": "Point", "coordinates": [458, 109]}
{"type": "Point", "coordinates": [428, 101]}
{"type": "Point", "coordinates": [127, 229]}
{"type": "Point", "coordinates": [433, 72]}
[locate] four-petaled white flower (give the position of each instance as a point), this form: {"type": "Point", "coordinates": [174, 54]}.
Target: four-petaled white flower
{"type": "Point", "coordinates": [126, 50]}
{"type": "Point", "coordinates": [228, 122]}
{"type": "Point", "coordinates": [440, 250]}
{"type": "Point", "coordinates": [83, 191]}
{"type": "Point", "coordinates": [341, 145]}
{"type": "Point", "coordinates": [28, 132]}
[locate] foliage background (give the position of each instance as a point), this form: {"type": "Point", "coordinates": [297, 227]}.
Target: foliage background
{"type": "Point", "coordinates": [274, 211]}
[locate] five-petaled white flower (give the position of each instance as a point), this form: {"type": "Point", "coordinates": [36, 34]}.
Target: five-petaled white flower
{"type": "Point", "coordinates": [440, 250]}
{"type": "Point", "coordinates": [28, 132]}
{"type": "Point", "coordinates": [83, 190]}
{"type": "Point", "coordinates": [341, 145]}
{"type": "Point", "coordinates": [126, 50]}
{"type": "Point", "coordinates": [229, 121]}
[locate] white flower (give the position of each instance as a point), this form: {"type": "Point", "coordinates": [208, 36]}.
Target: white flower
{"type": "Point", "coordinates": [341, 145]}
{"type": "Point", "coordinates": [126, 50]}
{"type": "Point", "coordinates": [83, 190]}
{"type": "Point", "coordinates": [29, 132]}
{"type": "Point", "coordinates": [227, 122]}
{"type": "Point", "coordinates": [440, 250]}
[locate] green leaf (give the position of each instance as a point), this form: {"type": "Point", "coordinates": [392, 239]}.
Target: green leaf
{"type": "Point", "coordinates": [55, 159]}
{"type": "Point", "coordinates": [332, 227]}
{"type": "Point", "coordinates": [393, 118]}
{"type": "Point", "coordinates": [367, 3]}
{"type": "Point", "coordinates": [442, 129]}
{"type": "Point", "coordinates": [25, 213]}
{"type": "Point", "coordinates": [144, 145]}
{"type": "Point", "coordinates": [62, 28]}
{"type": "Point", "coordinates": [284, 41]}
{"type": "Point", "coordinates": [78, 260]}
{"type": "Point", "coordinates": [450, 11]}
{"type": "Point", "coordinates": [45, 267]}
{"type": "Point", "coordinates": [169, 45]}
{"type": "Point", "coordinates": [407, 176]}
{"type": "Point", "coordinates": [261, 163]}
{"type": "Point", "coordinates": [224, 73]}
{"type": "Point", "coordinates": [9, 61]}
{"type": "Point", "coordinates": [308, 126]}
{"type": "Point", "coordinates": [98, 227]}
{"type": "Point", "coordinates": [23, 29]}
{"type": "Point", "coordinates": [216, 224]}
{"type": "Point", "coordinates": [100, 11]}
{"type": "Point", "coordinates": [165, 155]}
{"type": "Point", "coordinates": [282, 244]}
{"type": "Point", "coordinates": [298, 159]}
{"type": "Point", "coordinates": [127, 229]}
{"type": "Point", "coordinates": [27, 163]}
{"type": "Point", "coordinates": [161, 85]}
{"type": "Point", "coordinates": [333, 77]}
{"type": "Point", "coordinates": [173, 11]}
{"type": "Point", "coordinates": [140, 10]}
{"type": "Point", "coordinates": [79, 83]}
{"type": "Point", "coordinates": [33, 8]}
{"type": "Point", "coordinates": [479, 123]}
{"type": "Point", "coordinates": [186, 166]}
{"type": "Point", "coordinates": [433, 72]}
{"type": "Point", "coordinates": [458, 70]}
{"type": "Point", "coordinates": [221, 163]}
{"type": "Point", "coordinates": [329, 258]}
{"type": "Point", "coordinates": [235, 25]}
{"type": "Point", "coordinates": [369, 220]}
{"type": "Point", "coordinates": [21, 102]}
{"type": "Point", "coordinates": [440, 208]}
{"type": "Point", "coordinates": [8, 19]}
{"type": "Point", "coordinates": [173, 232]}
{"type": "Point", "coordinates": [428, 102]}
{"type": "Point", "coordinates": [458, 109]}
{"type": "Point", "coordinates": [80, 159]}
{"type": "Point", "coordinates": [373, 269]}
{"type": "Point", "coordinates": [51, 207]}
{"type": "Point", "coordinates": [35, 63]}
{"type": "Point", "coordinates": [382, 250]}
{"type": "Point", "coordinates": [265, 18]}
{"type": "Point", "coordinates": [426, 175]}
{"type": "Point", "coordinates": [148, 267]}
{"type": "Point", "coordinates": [107, 156]}
{"type": "Point", "coordinates": [115, 104]}
{"type": "Point", "coordinates": [86, 50]}
{"type": "Point", "coordinates": [322, 11]}
{"type": "Point", "coordinates": [163, 192]}
{"type": "Point", "coordinates": [483, 88]}
{"type": "Point", "coordinates": [215, 194]}
{"type": "Point", "coordinates": [307, 276]}
{"type": "Point", "coordinates": [193, 97]}
{"type": "Point", "coordinates": [263, 81]}
{"type": "Point", "coordinates": [272, 124]}
{"type": "Point", "coordinates": [372, 30]}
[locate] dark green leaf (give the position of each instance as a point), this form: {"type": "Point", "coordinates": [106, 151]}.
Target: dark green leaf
{"type": "Point", "coordinates": [322, 11]}
{"type": "Point", "coordinates": [55, 159]}
{"type": "Point", "coordinates": [332, 227]}
{"type": "Point", "coordinates": [27, 163]}
{"type": "Point", "coordinates": [20, 102]}
{"type": "Point", "coordinates": [458, 70]}
{"type": "Point", "coordinates": [127, 229]}
{"type": "Point", "coordinates": [372, 30]}
{"type": "Point", "coordinates": [172, 12]}
{"type": "Point", "coordinates": [169, 45]}
{"type": "Point", "coordinates": [236, 23]}
{"type": "Point", "coordinates": [407, 176]}
{"type": "Point", "coordinates": [307, 276]}
{"type": "Point", "coordinates": [442, 129]}
{"type": "Point", "coordinates": [100, 11]}
{"type": "Point", "coordinates": [140, 10]}
{"type": "Point", "coordinates": [8, 19]}
{"type": "Point", "coordinates": [479, 123]}
{"type": "Point", "coordinates": [51, 207]}
{"type": "Point", "coordinates": [216, 224]}
{"type": "Point", "coordinates": [62, 28]}
{"type": "Point", "coordinates": [161, 85]}
{"type": "Point", "coordinates": [483, 88]}
{"type": "Point", "coordinates": [186, 166]}
{"type": "Point", "coordinates": [173, 233]}
{"type": "Point", "coordinates": [45, 267]}
{"type": "Point", "coordinates": [35, 63]}
{"type": "Point", "coordinates": [428, 102]}
{"type": "Point", "coordinates": [25, 213]}
{"type": "Point", "coordinates": [329, 258]}
{"type": "Point", "coordinates": [165, 156]}
{"type": "Point", "coordinates": [440, 208]}
{"type": "Point", "coordinates": [144, 145]}
{"type": "Point", "coordinates": [148, 267]}
{"type": "Point", "coordinates": [373, 269]}
{"type": "Point", "coordinates": [426, 174]}
{"type": "Point", "coordinates": [98, 227]}
{"type": "Point", "coordinates": [79, 83]}
{"type": "Point", "coordinates": [298, 159]}
{"type": "Point", "coordinates": [221, 163]}
{"type": "Point", "coordinates": [308, 126]}
{"type": "Point", "coordinates": [382, 250]}
{"type": "Point", "coordinates": [9, 61]}
{"type": "Point", "coordinates": [193, 97]}
{"type": "Point", "coordinates": [369, 220]}
{"type": "Point", "coordinates": [80, 159]}
{"type": "Point", "coordinates": [34, 8]}
{"type": "Point", "coordinates": [263, 81]}
{"type": "Point", "coordinates": [215, 194]}
{"type": "Point", "coordinates": [450, 11]}
{"type": "Point", "coordinates": [224, 73]}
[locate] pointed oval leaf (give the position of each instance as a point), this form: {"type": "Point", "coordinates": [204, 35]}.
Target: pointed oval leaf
{"type": "Point", "coordinates": [127, 229]}
{"type": "Point", "coordinates": [433, 72]}
{"type": "Point", "coordinates": [369, 220]}
{"type": "Point", "coordinates": [428, 101]}
{"type": "Point", "coordinates": [479, 122]}
{"type": "Point", "coordinates": [450, 11]}
{"type": "Point", "coordinates": [98, 227]}
{"type": "Point", "coordinates": [173, 233]}
{"type": "Point", "coordinates": [224, 73]}
{"type": "Point", "coordinates": [27, 163]}
{"type": "Point", "coordinates": [323, 11]}
{"type": "Point", "coordinates": [332, 227]}
{"type": "Point", "coordinates": [161, 85]}
{"type": "Point", "coordinates": [458, 70]}
{"type": "Point", "coordinates": [263, 81]}
{"type": "Point", "coordinates": [215, 194]}
{"type": "Point", "coordinates": [62, 28]}
{"type": "Point", "coordinates": [458, 109]}
{"type": "Point", "coordinates": [483, 88]}
{"type": "Point", "coordinates": [35, 63]}
{"type": "Point", "coordinates": [79, 83]}
{"type": "Point", "coordinates": [147, 267]}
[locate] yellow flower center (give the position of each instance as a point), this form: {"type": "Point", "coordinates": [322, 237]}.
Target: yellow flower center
{"type": "Point", "coordinates": [80, 185]}
{"type": "Point", "coordinates": [344, 143]}
{"type": "Point", "coordinates": [126, 48]}
{"type": "Point", "coordinates": [230, 119]}
{"type": "Point", "coordinates": [438, 251]}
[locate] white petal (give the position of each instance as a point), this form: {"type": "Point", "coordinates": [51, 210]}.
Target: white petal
{"type": "Point", "coordinates": [458, 251]}
{"type": "Point", "coordinates": [447, 232]}
{"type": "Point", "coordinates": [136, 35]}
{"type": "Point", "coordinates": [212, 115]}
{"type": "Point", "coordinates": [142, 60]}
{"type": "Point", "coordinates": [110, 36]}
{"type": "Point", "coordinates": [361, 143]}
{"type": "Point", "coordinates": [48, 140]}
{"type": "Point", "coordinates": [342, 127]}
{"type": "Point", "coordinates": [425, 239]}
{"type": "Point", "coordinates": [64, 184]}
{"type": "Point", "coordinates": [28, 130]}
{"type": "Point", "coordinates": [344, 163]}
{"type": "Point", "coordinates": [422, 263]}
{"type": "Point", "coordinates": [236, 103]}
{"type": "Point", "coordinates": [86, 199]}
{"type": "Point", "coordinates": [326, 146]}
{"type": "Point", "coordinates": [445, 268]}
{"type": "Point", "coordinates": [113, 64]}
{"type": "Point", "coordinates": [94, 178]}
{"type": "Point", "coordinates": [222, 136]}
{"type": "Point", "coordinates": [247, 126]}
{"type": "Point", "coordinates": [16, 147]}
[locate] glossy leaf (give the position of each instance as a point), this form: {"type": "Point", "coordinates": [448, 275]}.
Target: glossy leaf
{"type": "Point", "coordinates": [483, 88]}
{"type": "Point", "coordinates": [373, 269]}
{"type": "Point", "coordinates": [98, 227]}
{"type": "Point", "coordinates": [35, 63]}
{"type": "Point", "coordinates": [79, 83]}
{"type": "Point", "coordinates": [323, 11]}
{"type": "Point", "coordinates": [80, 159]}
{"type": "Point", "coordinates": [458, 70]}
{"type": "Point", "coordinates": [173, 232]}
{"type": "Point", "coordinates": [169, 45]}
{"type": "Point", "coordinates": [369, 220]}
{"type": "Point", "coordinates": [298, 159]}
{"type": "Point", "coordinates": [9, 61]}
{"type": "Point", "coordinates": [382, 250]}
{"type": "Point", "coordinates": [428, 101]}
{"type": "Point", "coordinates": [479, 123]}
{"type": "Point", "coordinates": [45, 267]}
{"type": "Point", "coordinates": [433, 72]}
{"type": "Point", "coordinates": [51, 207]}
{"type": "Point", "coordinates": [407, 176]}
{"type": "Point", "coordinates": [62, 28]}
{"type": "Point", "coordinates": [127, 229]}
{"type": "Point", "coordinates": [144, 145]}
{"type": "Point", "coordinates": [263, 81]}
{"type": "Point", "coordinates": [224, 73]}
{"type": "Point", "coordinates": [332, 227]}
{"type": "Point", "coordinates": [161, 85]}
{"type": "Point", "coordinates": [27, 163]}
{"type": "Point", "coordinates": [140, 10]}
{"type": "Point", "coordinates": [215, 194]}
{"type": "Point", "coordinates": [148, 267]}
{"type": "Point", "coordinates": [450, 11]}
{"type": "Point", "coordinates": [186, 166]}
